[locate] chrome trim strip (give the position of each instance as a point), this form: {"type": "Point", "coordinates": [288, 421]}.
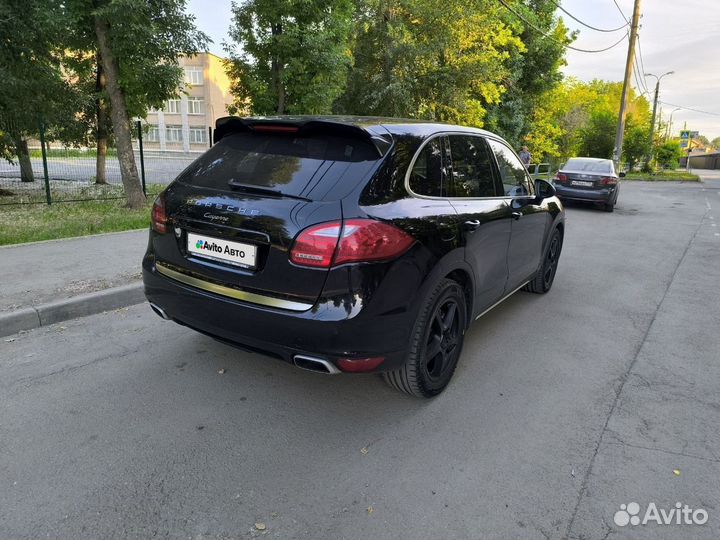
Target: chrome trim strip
{"type": "Point", "coordinates": [331, 369]}
{"type": "Point", "coordinates": [230, 292]}
{"type": "Point", "coordinates": [502, 299]}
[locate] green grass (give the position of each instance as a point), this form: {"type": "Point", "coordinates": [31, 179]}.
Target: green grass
{"type": "Point", "coordinates": [13, 191]}
{"type": "Point", "coordinates": [71, 153]}
{"type": "Point", "coordinates": [664, 176]}
{"type": "Point", "coordinates": [31, 222]}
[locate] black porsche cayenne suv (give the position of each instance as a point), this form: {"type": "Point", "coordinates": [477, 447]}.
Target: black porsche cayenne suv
{"type": "Point", "coordinates": [350, 244]}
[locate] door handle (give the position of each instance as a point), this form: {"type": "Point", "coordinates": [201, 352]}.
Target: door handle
{"type": "Point", "coordinates": [471, 225]}
{"type": "Point", "coordinates": [516, 215]}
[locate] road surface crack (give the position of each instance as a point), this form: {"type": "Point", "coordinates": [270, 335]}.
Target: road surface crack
{"type": "Point", "coordinates": [624, 377]}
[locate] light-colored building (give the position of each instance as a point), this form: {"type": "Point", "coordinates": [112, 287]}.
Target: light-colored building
{"type": "Point", "coordinates": [183, 123]}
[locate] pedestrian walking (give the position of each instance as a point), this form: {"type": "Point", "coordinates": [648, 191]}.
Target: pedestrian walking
{"type": "Point", "coordinates": [525, 156]}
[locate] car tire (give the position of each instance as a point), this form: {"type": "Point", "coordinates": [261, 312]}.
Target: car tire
{"type": "Point", "coordinates": [543, 279]}
{"type": "Point", "coordinates": [609, 207]}
{"type": "Point", "coordinates": [435, 345]}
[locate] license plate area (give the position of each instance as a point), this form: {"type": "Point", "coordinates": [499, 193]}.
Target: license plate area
{"type": "Point", "coordinates": [582, 183]}
{"type": "Point", "coordinates": [226, 251]}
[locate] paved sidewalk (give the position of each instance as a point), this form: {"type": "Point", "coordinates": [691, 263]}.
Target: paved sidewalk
{"type": "Point", "coordinates": [42, 272]}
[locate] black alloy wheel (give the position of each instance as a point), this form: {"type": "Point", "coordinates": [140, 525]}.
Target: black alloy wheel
{"type": "Point", "coordinates": [436, 343]}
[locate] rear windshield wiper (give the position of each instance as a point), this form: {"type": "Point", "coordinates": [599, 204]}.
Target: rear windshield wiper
{"type": "Point", "coordinates": [250, 188]}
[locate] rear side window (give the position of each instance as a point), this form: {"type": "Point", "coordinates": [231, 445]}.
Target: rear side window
{"type": "Point", "coordinates": [427, 175]}
{"type": "Point", "coordinates": [472, 170]}
{"type": "Point", "coordinates": [514, 176]}
{"type": "Point", "coordinates": [284, 162]}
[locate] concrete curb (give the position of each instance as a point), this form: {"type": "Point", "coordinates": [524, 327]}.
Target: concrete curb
{"type": "Point", "coordinates": [71, 308]}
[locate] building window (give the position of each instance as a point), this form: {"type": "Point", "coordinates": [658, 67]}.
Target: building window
{"type": "Point", "coordinates": [173, 134]}
{"type": "Point", "coordinates": [194, 76]}
{"type": "Point", "coordinates": [196, 105]}
{"type": "Point", "coordinates": [172, 106]}
{"type": "Point", "coordinates": [153, 134]}
{"type": "Point", "coordinates": [198, 135]}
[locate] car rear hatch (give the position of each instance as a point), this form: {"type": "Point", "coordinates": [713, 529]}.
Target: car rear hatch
{"type": "Point", "coordinates": [234, 212]}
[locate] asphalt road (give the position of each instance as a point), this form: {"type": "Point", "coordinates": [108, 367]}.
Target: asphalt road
{"type": "Point", "coordinates": [564, 406]}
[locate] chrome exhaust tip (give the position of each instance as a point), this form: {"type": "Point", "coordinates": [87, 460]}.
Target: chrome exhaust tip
{"type": "Point", "coordinates": [160, 311]}
{"type": "Point", "coordinates": [318, 365]}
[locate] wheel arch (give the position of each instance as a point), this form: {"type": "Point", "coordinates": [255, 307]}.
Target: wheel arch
{"type": "Point", "coordinates": [465, 280]}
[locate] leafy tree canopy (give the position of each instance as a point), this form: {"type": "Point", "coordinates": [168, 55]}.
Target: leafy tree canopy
{"type": "Point", "coordinates": [289, 56]}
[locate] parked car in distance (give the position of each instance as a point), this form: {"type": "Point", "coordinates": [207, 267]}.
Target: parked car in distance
{"type": "Point", "coordinates": [540, 171]}
{"type": "Point", "coordinates": [589, 179]}
{"type": "Point", "coordinates": [350, 244]}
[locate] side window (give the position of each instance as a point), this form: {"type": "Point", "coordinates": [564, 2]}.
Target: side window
{"type": "Point", "coordinates": [427, 175]}
{"type": "Point", "coordinates": [515, 179]}
{"type": "Point", "coordinates": [472, 172]}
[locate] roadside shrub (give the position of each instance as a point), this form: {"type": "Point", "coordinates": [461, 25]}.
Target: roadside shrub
{"type": "Point", "coordinates": [668, 154]}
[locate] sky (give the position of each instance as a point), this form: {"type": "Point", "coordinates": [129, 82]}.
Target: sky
{"type": "Point", "coordinates": [680, 36]}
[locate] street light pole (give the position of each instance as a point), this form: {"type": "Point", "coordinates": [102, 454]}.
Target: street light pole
{"type": "Point", "coordinates": [668, 131]}
{"type": "Point", "coordinates": [655, 102]}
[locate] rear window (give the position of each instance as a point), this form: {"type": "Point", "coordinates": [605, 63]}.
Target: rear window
{"type": "Point", "coordinates": [589, 165]}
{"type": "Point", "coordinates": [283, 162]}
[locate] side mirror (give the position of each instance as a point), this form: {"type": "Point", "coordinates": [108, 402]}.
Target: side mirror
{"type": "Point", "coordinates": [544, 189]}
{"type": "Point", "coordinates": [621, 174]}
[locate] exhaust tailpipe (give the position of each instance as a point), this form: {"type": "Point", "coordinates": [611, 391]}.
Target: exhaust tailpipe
{"type": "Point", "coordinates": [318, 365]}
{"type": "Point", "coordinates": [160, 311]}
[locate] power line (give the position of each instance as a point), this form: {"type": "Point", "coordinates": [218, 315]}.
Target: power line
{"type": "Point", "coordinates": [531, 25]}
{"type": "Point", "coordinates": [642, 84]}
{"type": "Point", "coordinates": [586, 24]}
{"type": "Point", "coordinates": [621, 11]}
{"type": "Point", "coordinates": [642, 64]}
{"type": "Point", "coordinates": [688, 108]}
{"type": "Point", "coordinates": [639, 86]}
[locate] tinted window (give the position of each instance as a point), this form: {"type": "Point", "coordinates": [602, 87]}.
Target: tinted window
{"type": "Point", "coordinates": [286, 163]}
{"type": "Point", "coordinates": [426, 177]}
{"type": "Point", "coordinates": [515, 180]}
{"type": "Point", "coordinates": [589, 165]}
{"type": "Point", "coordinates": [471, 167]}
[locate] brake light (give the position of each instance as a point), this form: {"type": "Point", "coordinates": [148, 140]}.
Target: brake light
{"type": "Point", "coordinates": [561, 178]}
{"type": "Point", "coordinates": [608, 181]}
{"type": "Point", "coordinates": [269, 128]}
{"type": "Point", "coordinates": [158, 217]}
{"type": "Point", "coordinates": [354, 240]}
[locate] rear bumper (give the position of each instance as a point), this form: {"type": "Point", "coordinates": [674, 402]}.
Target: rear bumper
{"type": "Point", "coordinates": [592, 195]}
{"type": "Point", "coordinates": [332, 329]}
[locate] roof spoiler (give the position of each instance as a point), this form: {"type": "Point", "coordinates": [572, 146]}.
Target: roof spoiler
{"type": "Point", "coordinates": [302, 126]}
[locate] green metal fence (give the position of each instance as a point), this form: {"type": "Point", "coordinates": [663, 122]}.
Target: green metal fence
{"type": "Point", "coordinates": [36, 168]}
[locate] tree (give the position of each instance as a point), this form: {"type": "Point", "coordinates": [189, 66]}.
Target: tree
{"type": "Point", "coordinates": [441, 61]}
{"type": "Point", "coordinates": [574, 119]}
{"type": "Point", "coordinates": [668, 154]}
{"type": "Point", "coordinates": [533, 72]}
{"type": "Point", "coordinates": [598, 135]}
{"type": "Point", "coordinates": [289, 56]}
{"type": "Point", "coordinates": [138, 44]}
{"type": "Point", "coordinates": [34, 89]}
{"type": "Point", "coordinates": [635, 142]}
{"type": "Point", "coordinates": [715, 143]}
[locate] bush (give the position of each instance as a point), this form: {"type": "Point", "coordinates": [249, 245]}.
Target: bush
{"type": "Point", "coordinates": [668, 154]}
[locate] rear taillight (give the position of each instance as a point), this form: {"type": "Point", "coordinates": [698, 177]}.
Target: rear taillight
{"type": "Point", "coordinates": [158, 217]}
{"type": "Point", "coordinates": [608, 181]}
{"type": "Point", "coordinates": [353, 240]}
{"type": "Point", "coordinates": [561, 178]}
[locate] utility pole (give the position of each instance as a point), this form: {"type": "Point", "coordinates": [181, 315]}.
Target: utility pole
{"type": "Point", "coordinates": [617, 154]}
{"type": "Point", "coordinates": [655, 102]}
